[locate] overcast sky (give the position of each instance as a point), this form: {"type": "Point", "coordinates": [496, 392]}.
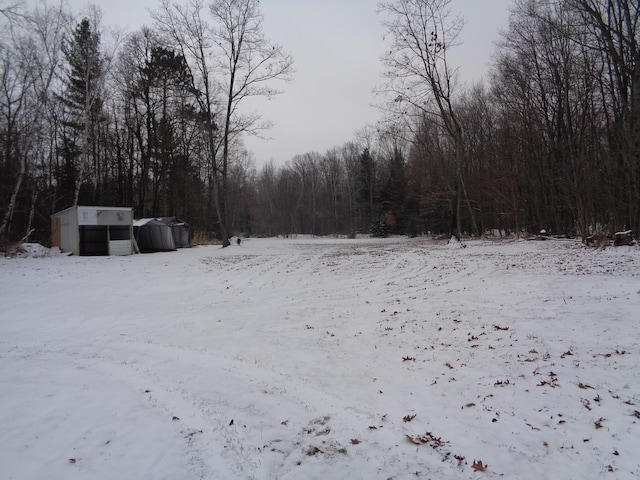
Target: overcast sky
{"type": "Point", "coordinates": [336, 45]}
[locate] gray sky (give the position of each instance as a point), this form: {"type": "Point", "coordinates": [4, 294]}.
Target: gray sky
{"type": "Point", "coordinates": [336, 45]}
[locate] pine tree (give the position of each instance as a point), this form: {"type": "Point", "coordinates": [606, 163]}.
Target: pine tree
{"type": "Point", "coordinates": [165, 82]}
{"type": "Point", "coordinates": [365, 187]}
{"type": "Point", "coordinates": [393, 195]}
{"type": "Point", "coordinates": [82, 97]}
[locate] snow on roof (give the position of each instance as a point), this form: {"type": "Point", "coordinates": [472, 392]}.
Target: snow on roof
{"type": "Point", "coordinates": [142, 221]}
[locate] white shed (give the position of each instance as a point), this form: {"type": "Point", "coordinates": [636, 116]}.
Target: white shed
{"type": "Point", "coordinates": [93, 230]}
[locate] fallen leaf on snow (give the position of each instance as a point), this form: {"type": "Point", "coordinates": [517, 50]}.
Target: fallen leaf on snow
{"type": "Point", "coordinates": [479, 466]}
{"type": "Point", "coordinates": [417, 440]}
{"type": "Point", "coordinates": [425, 439]}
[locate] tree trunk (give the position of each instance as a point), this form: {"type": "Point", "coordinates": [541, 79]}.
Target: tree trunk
{"type": "Point", "coordinates": [14, 195]}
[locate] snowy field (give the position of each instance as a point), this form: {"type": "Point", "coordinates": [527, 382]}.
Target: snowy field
{"type": "Point", "coordinates": [323, 359]}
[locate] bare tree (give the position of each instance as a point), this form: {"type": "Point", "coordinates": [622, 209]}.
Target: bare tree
{"type": "Point", "coordinates": [29, 60]}
{"type": "Point", "coordinates": [11, 9]}
{"type": "Point", "coordinates": [420, 79]}
{"type": "Point", "coordinates": [234, 61]}
{"type": "Point", "coordinates": [614, 26]}
{"type": "Point", "coordinates": [15, 82]}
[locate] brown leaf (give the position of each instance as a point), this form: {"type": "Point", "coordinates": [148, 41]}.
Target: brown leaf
{"type": "Point", "coordinates": [448, 365]}
{"type": "Point", "coordinates": [469, 405]}
{"type": "Point", "coordinates": [408, 418]}
{"type": "Point", "coordinates": [417, 440]}
{"type": "Point", "coordinates": [408, 359]}
{"type": "Point", "coordinates": [72, 460]}
{"type": "Point", "coordinates": [355, 441]}
{"type": "Point", "coordinates": [436, 442]}
{"type": "Point", "coordinates": [479, 466]}
{"type": "Point", "coordinates": [584, 386]}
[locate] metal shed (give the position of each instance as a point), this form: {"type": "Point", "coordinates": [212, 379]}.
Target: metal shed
{"type": "Point", "coordinates": [179, 229]}
{"type": "Point", "coordinates": [152, 235]}
{"type": "Point", "coordinates": [85, 230]}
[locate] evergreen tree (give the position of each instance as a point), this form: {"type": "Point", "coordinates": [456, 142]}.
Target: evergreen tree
{"type": "Point", "coordinates": [365, 188]}
{"type": "Point", "coordinates": [165, 81]}
{"type": "Point", "coordinates": [82, 97]}
{"type": "Point", "coordinates": [394, 194]}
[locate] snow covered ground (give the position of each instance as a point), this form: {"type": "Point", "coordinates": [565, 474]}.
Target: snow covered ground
{"type": "Point", "coordinates": [323, 359]}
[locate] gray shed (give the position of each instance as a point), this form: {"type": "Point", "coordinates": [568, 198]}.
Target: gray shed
{"type": "Point", "coordinates": [85, 230]}
{"type": "Point", "coordinates": [152, 235]}
{"type": "Point", "coordinates": [179, 229]}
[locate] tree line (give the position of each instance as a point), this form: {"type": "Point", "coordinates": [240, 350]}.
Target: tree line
{"type": "Point", "coordinates": [154, 120]}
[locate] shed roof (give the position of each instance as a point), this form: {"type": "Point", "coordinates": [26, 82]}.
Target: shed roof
{"type": "Point", "coordinates": [95, 207]}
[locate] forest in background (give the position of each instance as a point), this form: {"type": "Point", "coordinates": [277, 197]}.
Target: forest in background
{"type": "Point", "coordinates": [152, 120]}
